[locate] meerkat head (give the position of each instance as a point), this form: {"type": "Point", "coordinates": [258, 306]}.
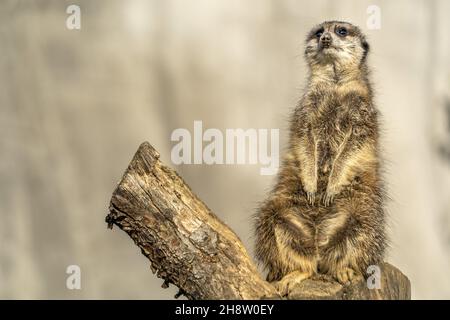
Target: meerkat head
{"type": "Point", "coordinates": [336, 42]}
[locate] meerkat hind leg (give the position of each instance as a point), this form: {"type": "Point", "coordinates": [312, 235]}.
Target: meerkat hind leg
{"type": "Point", "coordinates": [290, 280]}
{"type": "Point", "coordinates": [347, 275]}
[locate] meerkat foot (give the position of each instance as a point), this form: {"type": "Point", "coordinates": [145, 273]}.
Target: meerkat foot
{"type": "Point", "coordinates": [285, 285]}
{"type": "Point", "coordinates": [347, 275]}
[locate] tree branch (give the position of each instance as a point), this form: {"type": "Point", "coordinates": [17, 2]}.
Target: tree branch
{"type": "Point", "coordinates": [190, 247]}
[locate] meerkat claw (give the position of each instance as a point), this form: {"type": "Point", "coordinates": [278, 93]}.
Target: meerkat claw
{"type": "Point", "coordinates": [311, 197]}
{"type": "Point", "coordinates": [328, 199]}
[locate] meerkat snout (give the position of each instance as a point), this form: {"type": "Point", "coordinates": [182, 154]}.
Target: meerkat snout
{"type": "Point", "coordinates": [325, 40]}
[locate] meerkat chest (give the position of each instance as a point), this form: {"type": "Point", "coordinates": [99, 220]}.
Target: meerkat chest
{"type": "Point", "coordinates": [332, 119]}
{"type": "Point", "coordinates": [330, 125]}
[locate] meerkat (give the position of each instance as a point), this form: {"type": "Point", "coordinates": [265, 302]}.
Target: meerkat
{"type": "Point", "coordinates": [325, 214]}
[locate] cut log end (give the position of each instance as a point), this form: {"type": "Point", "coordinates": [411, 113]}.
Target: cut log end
{"type": "Point", "coordinates": [191, 248]}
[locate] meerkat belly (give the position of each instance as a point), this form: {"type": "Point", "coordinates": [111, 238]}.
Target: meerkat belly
{"type": "Point", "coordinates": [329, 225]}
{"type": "Point", "coordinates": [327, 150]}
{"type": "Point", "coordinates": [324, 164]}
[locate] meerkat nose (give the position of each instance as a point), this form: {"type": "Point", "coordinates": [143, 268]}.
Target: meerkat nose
{"type": "Point", "coordinates": [325, 40]}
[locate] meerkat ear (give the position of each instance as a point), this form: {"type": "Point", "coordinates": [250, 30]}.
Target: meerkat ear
{"type": "Point", "coordinates": [366, 47]}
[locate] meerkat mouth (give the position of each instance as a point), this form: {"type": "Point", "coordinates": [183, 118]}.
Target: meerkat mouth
{"type": "Point", "coordinates": [327, 47]}
{"type": "Point", "coordinates": [326, 50]}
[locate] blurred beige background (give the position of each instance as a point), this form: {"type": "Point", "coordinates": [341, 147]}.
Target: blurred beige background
{"type": "Point", "coordinates": [75, 105]}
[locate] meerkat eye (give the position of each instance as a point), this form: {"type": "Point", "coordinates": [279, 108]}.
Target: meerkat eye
{"type": "Point", "coordinates": [319, 33]}
{"type": "Point", "coordinates": [342, 31]}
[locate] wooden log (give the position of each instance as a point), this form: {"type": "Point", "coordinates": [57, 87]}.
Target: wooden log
{"type": "Point", "coordinates": [185, 242]}
{"type": "Point", "coordinates": [191, 248]}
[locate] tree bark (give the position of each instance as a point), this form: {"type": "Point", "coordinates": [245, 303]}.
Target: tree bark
{"type": "Point", "coordinates": [190, 247]}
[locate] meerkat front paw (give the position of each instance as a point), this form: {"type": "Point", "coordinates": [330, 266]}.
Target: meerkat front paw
{"type": "Point", "coordinates": [327, 199]}
{"type": "Point", "coordinates": [347, 275]}
{"type": "Point", "coordinates": [331, 192]}
{"type": "Point", "coordinates": [285, 285]}
{"type": "Point", "coordinates": [310, 189]}
{"type": "Point", "coordinates": [311, 196]}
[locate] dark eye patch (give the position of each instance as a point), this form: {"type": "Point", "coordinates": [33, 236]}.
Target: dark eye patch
{"type": "Point", "coordinates": [341, 31]}
{"type": "Point", "coordinates": [318, 33]}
